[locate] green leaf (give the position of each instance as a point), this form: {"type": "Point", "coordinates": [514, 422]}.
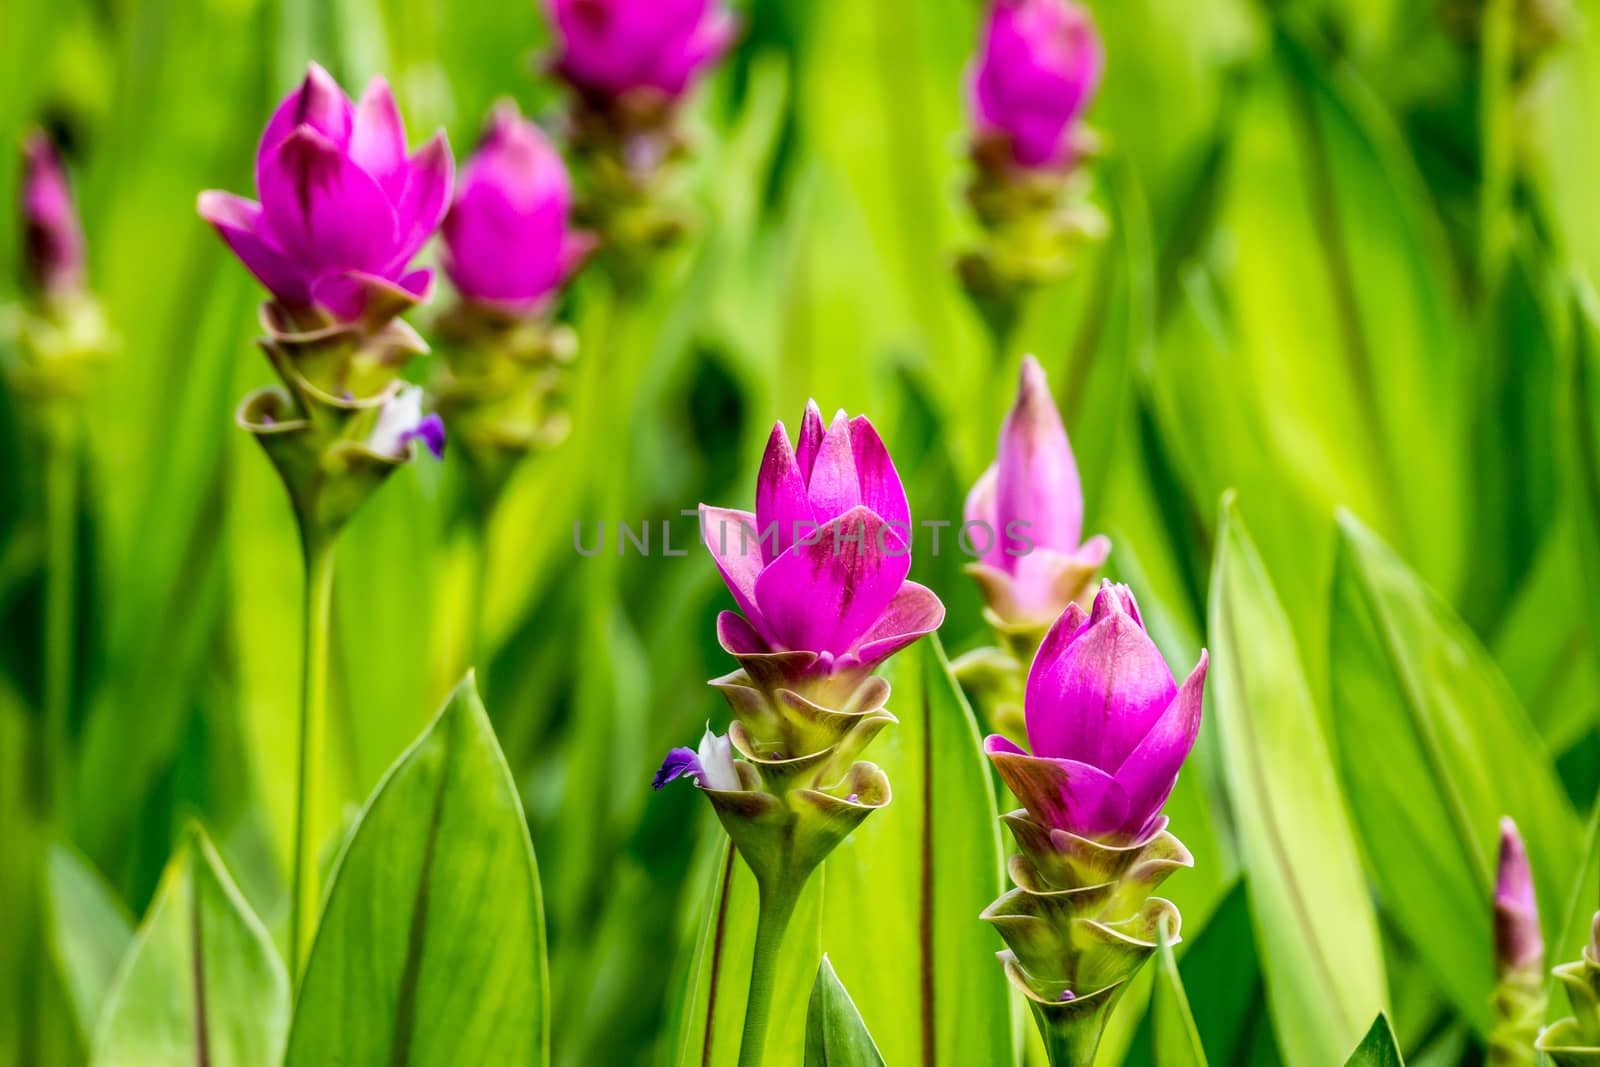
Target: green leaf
{"type": "Point", "coordinates": [922, 969]}
{"type": "Point", "coordinates": [835, 1034]}
{"type": "Point", "coordinates": [1435, 749]}
{"type": "Point", "coordinates": [432, 936]}
{"type": "Point", "coordinates": [713, 1018]}
{"type": "Point", "coordinates": [90, 932]}
{"type": "Point", "coordinates": [201, 983]}
{"type": "Point", "coordinates": [1175, 1040]}
{"type": "Point", "coordinates": [1378, 1048]}
{"type": "Point", "coordinates": [1313, 918]}
{"type": "Point", "coordinates": [1583, 391]}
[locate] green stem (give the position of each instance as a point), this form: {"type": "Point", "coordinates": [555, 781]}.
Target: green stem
{"type": "Point", "coordinates": [61, 504]}
{"type": "Point", "coordinates": [778, 901]}
{"type": "Point", "coordinates": [313, 726]}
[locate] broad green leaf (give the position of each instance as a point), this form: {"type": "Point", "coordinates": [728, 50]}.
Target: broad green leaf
{"type": "Point", "coordinates": [1435, 749]}
{"type": "Point", "coordinates": [201, 983]}
{"type": "Point", "coordinates": [432, 935]}
{"type": "Point", "coordinates": [1174, 1042]}
{"type": "Point", "coordinates": [835, 1034]}
{"type": "Point", "coordinates": [1583, 391]}
{"type": "Point", "coordinates": [1313, 919]}
{"type": "Point", "coordinates": [922, 967]}
{"type": "Point", "coordinates": [90, 933]}
{"type": "Point", "coordinates": [713, 1019]}
{"type": "Point", "coordinates": [1378, 1048]}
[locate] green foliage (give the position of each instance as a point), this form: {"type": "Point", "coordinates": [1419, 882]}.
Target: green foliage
{"type": "Point", "coordinates": [1378, 1048]}
{"type": "Point", "coordinates": [835, 1034]}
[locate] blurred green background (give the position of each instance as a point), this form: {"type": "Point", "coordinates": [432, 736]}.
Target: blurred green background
{"type": "Point", "coordinates": [1339, 273]}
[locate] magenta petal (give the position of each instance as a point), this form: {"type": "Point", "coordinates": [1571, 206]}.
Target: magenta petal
{"type": "Point", "coordinates": [1038, 477]}
{"type": "Point", "coordinates": [738, 638]}
{"type": "Point", "coordinates": [424, 200]}
{"type": "Point", "coordinates": [735, 546]}
{"type": "Point", "coordinates": [881, 489]}
{"type": "Point", "coordinates": [357, 295]}
{"type": "Point", "coordinates": [782, 506]}
{"type": "Point", "coordinates": [1151, 769]}
{"type": "Point", "coordinates": [317, 102]}
{"type": "Point", "coordinates": [378, 138]}
{"type": "Point", "coordinates": [833, 485]}
{"type": "Point", "coordinates": [1060, 794]}
{"type": "Point", "coordinates": [810, 440]}
{"type": "Point", "coordinates": [238, 221]}
{"type": "Point", "coordinates": [822, 596]}
{"type": "Point", "coordinates": [915, 611]}
{"type": "Point", "coordinates": [1094, 696]}
{"type": "Point", "coordinates": [325, 212]}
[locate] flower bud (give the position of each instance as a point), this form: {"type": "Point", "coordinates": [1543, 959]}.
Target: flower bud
{"type": "Point", "coordinates": [53, 238]}
{"type": "Point", "coordinates": [612, 47]}
{"type": "Point", "coordinates": [1519, 945]}
{"type": "Point", "coordinates": [343, 207]}
{"type": "Point", "coordinates": [1038, 69]}
{"type": "Point", "coordinates": [1030, 502]}
{"type": "Point", "coordinates": [508, 240]}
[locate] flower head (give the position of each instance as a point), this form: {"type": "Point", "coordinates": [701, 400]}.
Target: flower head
{"type": "Point", "coordinates": [1108, 726]}
{"type": "Point", "coordinates": [53, 238]}
{"type": "Point", "coordinates": [1031, 502]}
{"type": "Point", "coordinates": [611, 47]}
{"type": "Point", "coordinates": [819, 570]}
{"type": "Point", "coordinates": [401, 421]}
{"type": "Point", "coordinates": [1037, 71]}
{"type": "Point", "coordinates": [508, 239]}
{"type": "Point", "coordinates": [1518, 941]}
{"type": "Point", "coordinates": [343, 207]}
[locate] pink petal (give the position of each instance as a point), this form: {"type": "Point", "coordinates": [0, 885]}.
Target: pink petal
{"type": "Point", "coordinates": [810, 442]}
{"type": "Point", "coordinates": [1093, 696]}
{"type": "Point", "coordinates": [1060, 794]}
{"type": "Point", "coordinates": [914, 612]}
{"type": "Point", "coordinates": [823, 596]}
{"type": "Point", "coordinates": [239, 222]}
{"type": "Point", "coordinates": [881, 489]}
{"type": "Point", "coordinates": [733, 540]}
{"type": "Point", "coordinates": [378, 138]}
{"type": "Point", "coordinates": [979, 508]}
{"type": "Point", "coordinates": [354, 295]}
{"type": "Point", "coordinates": [425, 198]}
{"type": "Point", "coordinates": [782, 506]}
{"type": "Point", "coordinates": [833, 485]}
{"type": "Point", "coordinates": [317, 102]}
{"type": "Point", "coordinates": [324, 211]}
{"type": "Point", "coordinates": [1151, 769]}
{"type": "Point", "coordinates": [1038, 481]}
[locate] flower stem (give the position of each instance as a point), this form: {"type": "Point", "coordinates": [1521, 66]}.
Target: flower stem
{"type": "Point", "coordinates": [61, 504]}
{"type": "Point", "coordinates": [313, 724]}
{"type": "Point", "coordinates": [778, 899]}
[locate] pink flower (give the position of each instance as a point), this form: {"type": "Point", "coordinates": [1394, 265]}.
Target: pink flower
{"type": "Point", "coordinates": [609, 47]}
{"type": "Point", "coordinates": [343, 208]}
{"type": "Point", "coordinates": [1108, 726]}
{"type": "Point", "coordinates": [53, 239]}
{"type": "Point", "coordinates": [1518, 942]}
{"type": "Point", "coordinates": [1037, 71]}
{"type": "Point", "coordinates": [819, 570]}
{"type": "Point", "coordinates": [1031, 502]}
{"type": "Point", "coordinates": [508, 239]}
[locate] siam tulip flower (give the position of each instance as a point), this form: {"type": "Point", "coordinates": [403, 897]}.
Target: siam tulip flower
{"type": "Point", "coordinates": [508, 239]}
{"type": "Point", "coordinates": [1519, 996]}
{"type": "Point", "coordinates": [343, 209]}
{"type": "Point", "coordinates": [612, 47]}
{"type": "Point", "coordinates": [1108, 726]}
{"type": "Point", "coordinates": [53, 238]}
{"type": "Point", "coordinates": [1039, 66]}
{"type": "Point", "coordinates": [819, 570]}
{"type": "Point", "coordinates": [1109, 729]}
{"type": "Point", "coordinates": [1031, 502]}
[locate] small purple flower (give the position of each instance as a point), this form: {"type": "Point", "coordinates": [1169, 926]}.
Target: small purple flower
{"type": "Point", "coordinates": [1031, 502]}
{"type": "Point", "coordinates": [611, 47]}
{"type": "Point", "coordinates": [1037, 71]}
{"type": "Point", "coordinates": [343, 208]}
{"type": "Point", "coordinates": [508, 239]}
{"type": "Point", "coordinates": [401, 422]}
{"type": "Point", "coordinates": [819, 570]}
{"type": "Point", "coordinates": [1108, 726]}
{"type": "Point", "coordinates": [1518, 942]}
{"type": "Point", "coordinates": [53, 238]}
{"type": "Point", "coordinates": [711, 767]}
